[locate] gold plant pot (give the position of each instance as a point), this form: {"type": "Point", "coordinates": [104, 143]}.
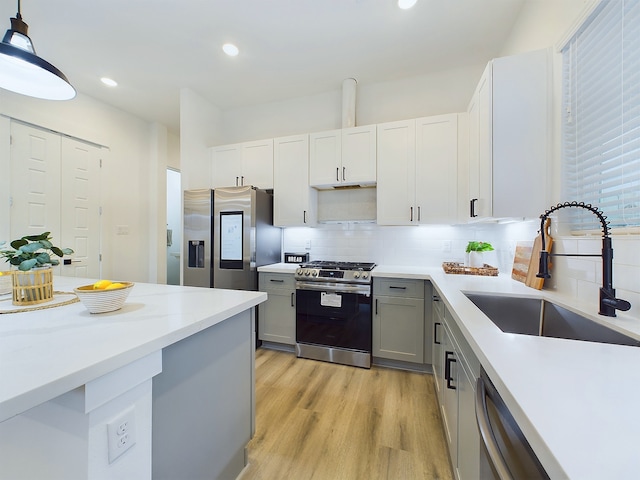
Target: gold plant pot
{"type": "Point", "coordinates": [33, 286]}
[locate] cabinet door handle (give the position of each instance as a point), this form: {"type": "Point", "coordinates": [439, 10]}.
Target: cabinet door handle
{"type": "Point", "coordinates": [419, 214]}
{"type": "Point", "coordinates": [397, 288]}
{"type": "Point", "coordinates": [487, 437]}
{"type": "Point", "coordinates": [242, 181]}
{"type": "Point", "coordinates": [435, 333]}
{"type": "Point", "coordinates": [472, 208]}
{"type": "Point", "coordinates": [304, 216]}
{"type": "Point", "coordinates": [276, 281]}
{"type": "Point", "coordinates": [237, 178]}
{"type": "Point", "coordinates": [344, 173]}
{"type": "Point", "coordinates": [293, 296]}
{"type": "Point", "coordinates": [337, 174]}
{"type": "Point", "coordinates": [376, 306]}
{"type": "Point", "coordinates": [411, 214]}
{"type": "Point", "coordinates": [448, 360]}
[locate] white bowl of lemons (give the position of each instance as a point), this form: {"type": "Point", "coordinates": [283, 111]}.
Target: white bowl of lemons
{"type": "Point", "coordinates": [104, 295]}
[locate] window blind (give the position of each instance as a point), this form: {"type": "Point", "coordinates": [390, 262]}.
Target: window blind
{"type": "Point", "coordinates": [601, 118]}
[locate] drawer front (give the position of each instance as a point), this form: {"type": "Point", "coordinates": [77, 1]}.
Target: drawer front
{"type": "Point", "coordinates": [276, 281]}
{"type": "Point", "coordinates": [398, 287]}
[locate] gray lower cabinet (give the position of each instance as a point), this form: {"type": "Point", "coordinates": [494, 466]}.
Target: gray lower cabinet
{"type": "Point", "coordinates": [455, 368]}
{"type": "Point", "coordinates": [277, 316]}
{"type": "Point", "coordinates": [398, 319]}
{"type": "Point", "coordinates": [437, 360]}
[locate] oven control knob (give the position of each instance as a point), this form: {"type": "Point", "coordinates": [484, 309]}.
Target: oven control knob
{"type": "Point", "coordinates": [365, 275]}
{"type": "Point", "coordinates": [356, 275]}
{"type": "Point", "coordinates": [307, 273]}
{"type": "Point", "coordinates": [299, 271]}
{"type": "Point", "coordinates": [314, 273]}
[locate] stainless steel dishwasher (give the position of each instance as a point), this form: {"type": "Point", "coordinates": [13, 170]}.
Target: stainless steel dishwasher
{"type": "Point", "coordinates": [505, 453]}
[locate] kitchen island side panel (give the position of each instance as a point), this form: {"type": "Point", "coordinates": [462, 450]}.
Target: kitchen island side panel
{"type": "Point", "coordinates": [203, 403]}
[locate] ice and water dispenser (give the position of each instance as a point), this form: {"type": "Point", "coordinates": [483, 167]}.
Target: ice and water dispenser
{"type": "Point", "coordinates": [196, 253]}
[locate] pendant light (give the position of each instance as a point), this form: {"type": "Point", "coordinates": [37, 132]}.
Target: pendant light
{"type": "Point", "coordinates": [22, 71]}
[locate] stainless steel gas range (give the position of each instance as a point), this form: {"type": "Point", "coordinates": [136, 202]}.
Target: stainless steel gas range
{"type": "Point", "coordinates": [333, 312]}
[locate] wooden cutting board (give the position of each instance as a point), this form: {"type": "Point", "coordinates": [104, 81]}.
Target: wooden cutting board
{"type": "Point", "coordinates": [521, 261]}
{"type": "Point", "coordinates": [534, 262]}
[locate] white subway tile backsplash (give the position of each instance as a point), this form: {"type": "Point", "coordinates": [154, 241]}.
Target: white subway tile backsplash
{"type": "Point", "coordinates": [634, 299]}
{"type": "Point", "coordinates": [590, 292]}
{"type": "Point", "coordinates": [626, 277]}
{"type": "Point", "coordinates": [423, 246]}
{"type": "Point", "coordinates": [626, 250]}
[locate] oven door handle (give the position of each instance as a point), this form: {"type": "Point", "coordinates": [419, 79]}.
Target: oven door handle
{"type": "Point", "coordinates": [334, 287]}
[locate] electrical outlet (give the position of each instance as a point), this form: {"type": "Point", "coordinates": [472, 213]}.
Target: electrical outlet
{"type": "Point", "coordinates": [122, 230]}
{"type": "Point", "coordinates": [446, 246]}
{"type": "Point", "coordinates": [307, 245]}
{"type": "Point", "coordinates": [121, 433]}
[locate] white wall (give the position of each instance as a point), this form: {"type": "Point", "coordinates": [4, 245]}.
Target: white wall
{"type": "Point", "coordinates": [200, 127]}
{"type": "Point", "coordinates": [126, 180]}
{"type": "Point", "coordinates": [434, 94]}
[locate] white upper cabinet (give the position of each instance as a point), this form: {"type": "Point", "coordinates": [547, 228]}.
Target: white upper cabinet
{"type": "Point", "coordinates": [396, 172]}
{"type": "Point", "coordinates": [294, 202]}
{"type": "Point", "coordinates": [437, 168]}
{"type": "Point", "coordinates": [343, 157]}
{"type": "Point", "coordinates": [417, 171]}
{"type": "Point", "coordinates": [227, 165]}
{"type": "Point", "coordinates": [248, 163]}
{"type": "Point", "coordinates": [509, 138]}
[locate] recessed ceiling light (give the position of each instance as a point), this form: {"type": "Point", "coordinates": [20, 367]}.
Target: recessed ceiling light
{"type": "Point", "coordinates": [406, 4]}
{"type": "Point", "coordinates": [230, 49]}
{"type": "Point", "coordinates": [109, 82]}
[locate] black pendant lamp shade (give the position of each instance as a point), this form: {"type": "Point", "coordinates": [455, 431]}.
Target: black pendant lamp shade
{"type": "Point", "coordinates": [22, 71]}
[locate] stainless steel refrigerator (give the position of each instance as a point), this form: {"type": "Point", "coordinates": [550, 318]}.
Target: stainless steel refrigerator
{"type": "Point", "coordinates": [228, 234]}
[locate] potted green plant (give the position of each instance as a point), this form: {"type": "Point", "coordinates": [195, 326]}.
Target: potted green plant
{"type": "Point", "coordinates": [33, 251]}
{"type": "Point", "coordinates": [33, 256]}
{"type": "Point", "coordinates": [475, 251]}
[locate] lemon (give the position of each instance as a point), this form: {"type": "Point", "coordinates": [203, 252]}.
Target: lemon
{"type": "Point", "coordinates": [101, 284]}
{"type": "Point", "coordinates": [112, 286]}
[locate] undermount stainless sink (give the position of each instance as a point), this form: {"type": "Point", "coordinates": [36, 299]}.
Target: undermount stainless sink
{"type": "Point", "coordinates": [533, 316]}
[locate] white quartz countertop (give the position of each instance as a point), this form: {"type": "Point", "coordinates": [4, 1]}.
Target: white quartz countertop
{"type": "Point", "coordinates": [46, 353]}
{"type": "Point", "coordinates": [576, 402]}
{"type": "Point", "coordinates": [279, 268]}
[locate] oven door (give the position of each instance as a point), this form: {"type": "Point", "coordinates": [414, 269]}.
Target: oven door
{"type": "Point", "coordinates": [333, 316]}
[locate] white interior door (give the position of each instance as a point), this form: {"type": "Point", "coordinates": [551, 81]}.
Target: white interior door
{"type": "Point", "coordinates": [80, 207]}
{"type": "Point", "coordinates": [35, 182]}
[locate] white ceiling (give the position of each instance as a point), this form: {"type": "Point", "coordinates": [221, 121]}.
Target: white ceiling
{"type": "Point", "coordinates": [288, 48]}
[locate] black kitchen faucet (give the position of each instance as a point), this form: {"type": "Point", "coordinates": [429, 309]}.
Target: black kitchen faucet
{"type": "Point", "coordinates": [608, 301]}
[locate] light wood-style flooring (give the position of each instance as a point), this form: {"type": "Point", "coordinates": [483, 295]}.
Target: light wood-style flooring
{"type": "Point", "coordinates": [322, 421]}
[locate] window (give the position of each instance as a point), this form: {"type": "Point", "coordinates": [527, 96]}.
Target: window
{"type": "Point", "coordinates": [601, 118]}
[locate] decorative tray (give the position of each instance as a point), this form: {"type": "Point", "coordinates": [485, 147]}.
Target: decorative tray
{"type": "Point", "coordinates": [459, 269]}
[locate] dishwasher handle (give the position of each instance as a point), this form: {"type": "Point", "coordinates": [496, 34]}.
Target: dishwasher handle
{"type": "Point", "coordinates": [488, 439]}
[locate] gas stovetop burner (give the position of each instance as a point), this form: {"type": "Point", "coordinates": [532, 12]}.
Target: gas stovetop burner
{"type": "Point", "coordinates": [337, 272]}
{"type": "Point", "coordinates": [329, 265]}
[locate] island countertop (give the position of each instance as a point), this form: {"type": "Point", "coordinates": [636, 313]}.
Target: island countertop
{"type": "Point", "coordinates": [45, 353]}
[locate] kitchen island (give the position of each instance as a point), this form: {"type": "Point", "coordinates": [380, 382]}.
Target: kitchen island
{"type": "Point", "coordinates": [176, 360]}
